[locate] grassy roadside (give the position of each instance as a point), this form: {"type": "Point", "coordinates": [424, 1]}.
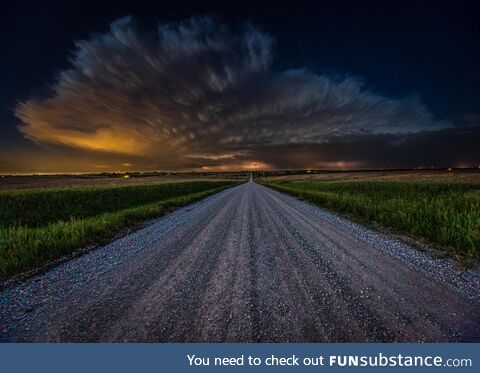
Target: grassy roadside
{"type": "Point", "coordinates": [445, 214]}
{"type": "Point", "coordinates": [40, 207]}
{"type": "Point", "coordinates": [37, 227]}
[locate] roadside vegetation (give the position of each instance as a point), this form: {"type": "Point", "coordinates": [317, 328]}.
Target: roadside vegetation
{"type": "Point", "coordinates": [446, 214]}
{"type": "Point", "coordinates": [37, 226]}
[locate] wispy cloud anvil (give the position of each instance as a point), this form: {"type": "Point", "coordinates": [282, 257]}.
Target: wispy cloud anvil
{"type": "Point", "coordinates": [202, 94]}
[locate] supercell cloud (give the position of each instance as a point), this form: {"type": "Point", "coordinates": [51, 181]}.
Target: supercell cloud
{"type": "Point", "coordinates": [200, 94]}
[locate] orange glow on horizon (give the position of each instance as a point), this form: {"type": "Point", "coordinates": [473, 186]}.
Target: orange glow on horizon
{"type": "Point", "coordinates": [245, 166]}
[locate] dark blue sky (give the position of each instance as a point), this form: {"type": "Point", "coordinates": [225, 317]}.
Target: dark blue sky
{"type": "Point", "coordinates": [426, 49]}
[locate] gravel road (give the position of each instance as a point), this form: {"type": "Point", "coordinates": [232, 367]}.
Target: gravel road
{"type": "Point", "coordinates": [247, 265]}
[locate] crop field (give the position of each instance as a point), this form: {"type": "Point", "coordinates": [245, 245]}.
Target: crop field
{"type": "Point", "coordinates": [445, 213]}
{"type": "Point", "coordinates": [454, 176]}
{"type": "Point", "coordinates": [40, 225]}
{"type": "Point", "coordinates": [16, 182]}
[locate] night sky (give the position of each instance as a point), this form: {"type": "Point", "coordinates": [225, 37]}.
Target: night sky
{"type": "Point", "coordinates": [117, 86]}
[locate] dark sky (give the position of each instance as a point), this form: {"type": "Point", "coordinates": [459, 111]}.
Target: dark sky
{"type": "Point", "coordinates": [343, 84]}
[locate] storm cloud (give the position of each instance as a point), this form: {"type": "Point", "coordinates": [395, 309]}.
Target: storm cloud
{"type": "Point", "coordinates": [202, 94]}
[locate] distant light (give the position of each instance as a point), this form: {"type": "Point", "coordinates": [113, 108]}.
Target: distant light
{"type": "Point", "coordinates": [126, 176]}
{"type": "Point", "coordinates": [449, 169]}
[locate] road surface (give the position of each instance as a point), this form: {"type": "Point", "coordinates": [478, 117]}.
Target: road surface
{"type": "Point", "coordinates": [247, 265]}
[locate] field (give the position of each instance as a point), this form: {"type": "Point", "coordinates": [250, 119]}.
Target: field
{"type": "Point", "coordinates": [441, 207]}
{"type": "Point", "coordinates": [16, 182]}
{"type": "Point", "coordinates": [42, 224]}
{"type": "Point", "coordinates": [455, 175]}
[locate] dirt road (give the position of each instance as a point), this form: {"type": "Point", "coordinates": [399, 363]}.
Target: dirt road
{"type": "Point", "coordinates": [247, 264]}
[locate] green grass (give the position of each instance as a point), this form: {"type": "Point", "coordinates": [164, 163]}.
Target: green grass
{"type": "Point", "coordinates": [37, 226]}
{"type": "Point", "coordinates": [35, 208]}
{"type": "Point", "coordinates": [444, 213]}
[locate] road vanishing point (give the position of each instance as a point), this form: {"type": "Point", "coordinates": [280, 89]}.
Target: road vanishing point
{"type": "Point", "coordinates": [248, 264]}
